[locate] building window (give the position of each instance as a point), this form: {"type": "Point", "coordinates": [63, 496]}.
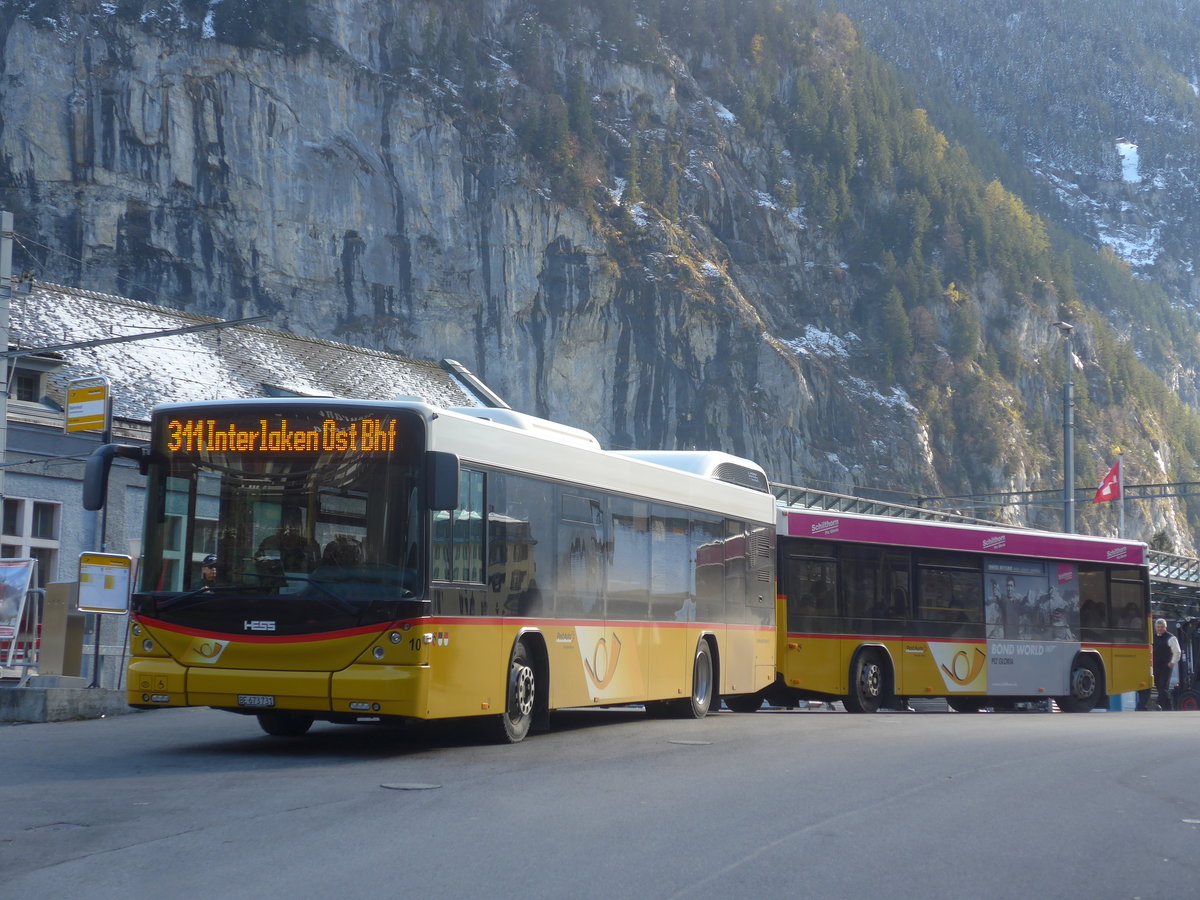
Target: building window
{"type": "Point", "coordinates": [31, 529]}
{"type": "Point", "coordinates": [44, 523]}
{"type": "Point", "coordinates": [12, 516]}
{"type": "Point", "coordinates": [27, 386]}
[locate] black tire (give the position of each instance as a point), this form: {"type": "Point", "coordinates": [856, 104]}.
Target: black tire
{"type": "Point", "coordinates": [965, 704]}
{"type": "Point", "coordinates": [1189, 701]}
{"type": "Point", "coordinates": [1085, 686]}
{"type": "Point", "coordinates": [279, 723]}
{"type": "Point", "coordinates": [745, 703]}
{"type": "Point", "coordinates": [703, 687]}
{"type": "Point", "coordinates": [520, 697]}
{"type": "Point", "coordinates": [867, 681]}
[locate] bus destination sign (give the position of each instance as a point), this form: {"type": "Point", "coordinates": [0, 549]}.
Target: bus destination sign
{"type": "Point", "coordinates": [332, 435]}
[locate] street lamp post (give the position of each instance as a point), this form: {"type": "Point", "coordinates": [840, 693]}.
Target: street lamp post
{"type": "Point", "coordinates": [1065, 329]}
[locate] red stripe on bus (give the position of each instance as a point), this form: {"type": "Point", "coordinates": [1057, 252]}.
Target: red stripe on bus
{"type": "Point", "coordinates": [950, 640]}
{"type": "Point", "coordinates": [411, 624]}
{"type": "Point", "coordinates": [884, 637]}
{"type": "Point", "coordinates": [584, 623]}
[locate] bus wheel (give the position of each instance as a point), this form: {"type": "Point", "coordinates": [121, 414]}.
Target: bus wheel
{"type": "Point", "coordinates": [702, 683]}
{"type": "Point", "coordinates": [745, 703]}
{"type": "Point", "coordinates": [866, 683]}
{"type": "Point", "coordinates": [965, 704]}
{"type": "Point", "coordinates": [1189, 700]}
{"type": "Point", "coordinates": [278, 723]}
{"type": "Point", "coordinates": [1084, 685]}
{"type": "Point", "coordinates": [519, 696]}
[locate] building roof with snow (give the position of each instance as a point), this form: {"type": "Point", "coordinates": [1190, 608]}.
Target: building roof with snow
{"type": "Point", "coordinates": [236, 361]}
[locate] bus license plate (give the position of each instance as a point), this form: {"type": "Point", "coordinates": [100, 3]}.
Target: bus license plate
{"type": "Point", "coordinates": [256, 700]}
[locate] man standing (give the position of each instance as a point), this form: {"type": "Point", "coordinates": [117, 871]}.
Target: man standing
{"type": "Point", "coordinates": [1164, 656]}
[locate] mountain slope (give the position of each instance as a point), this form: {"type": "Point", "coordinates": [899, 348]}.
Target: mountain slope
{"type": "Point", "coordinates": [677, 223]}
{"type": "Point", "coordinates": [1095, 107]}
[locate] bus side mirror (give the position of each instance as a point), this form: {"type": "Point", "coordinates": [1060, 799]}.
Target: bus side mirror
{"type": "Point", "coordinates": [95, 474]}
{"type": "Point", "coordinates": [441, 484]}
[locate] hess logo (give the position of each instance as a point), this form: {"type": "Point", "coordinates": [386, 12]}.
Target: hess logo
{"type": "Point", "coordinates": [258, 625]}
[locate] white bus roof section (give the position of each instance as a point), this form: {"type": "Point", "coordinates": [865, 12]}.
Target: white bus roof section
{"type": "Point", "coordinates": [707, 464]}
{"type": "Point", "coordinates": [478, 437]}
{"type": "Point", "coordinates": [554, 431]}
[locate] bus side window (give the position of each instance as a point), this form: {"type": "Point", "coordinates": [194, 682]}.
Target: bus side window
{"type": "Point", "coordinates": [1093, 605]}
{"type": "Point", "coordinates": [523, 522]}
{"type": "Point", "coordinates": [951, 601]}
{"type": "Point", "coordinates": [1129, 609]}
{"type": "Point", "coordinates": [899, 607]}
{"type": "Point", "coordinates": [458, 535]}
{"type": "Point", "coordinates": [893, 604]}
{"type": "Point", "coordinates": [628, 559]}
{"type": "Point", "coordinates": [811, 589]}
{"type": "Point", "coordinates": [582, 556]}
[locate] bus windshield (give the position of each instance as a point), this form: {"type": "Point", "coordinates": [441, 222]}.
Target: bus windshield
{"type": "Point", "coordinates": [293, 520]}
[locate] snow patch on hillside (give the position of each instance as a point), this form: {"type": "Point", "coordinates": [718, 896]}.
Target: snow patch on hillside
{"type": "Point", "coordinates": [1117, 224]}
{"type": "Point", "coordinates": [1128, 151]}
{"type": "Point", "coordinates": [815, 342]}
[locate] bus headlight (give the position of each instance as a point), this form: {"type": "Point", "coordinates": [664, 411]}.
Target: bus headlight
{"type": "Point", "coordinates": [147, 646]}
{"type": "Point", "coordinates": [377, 653]}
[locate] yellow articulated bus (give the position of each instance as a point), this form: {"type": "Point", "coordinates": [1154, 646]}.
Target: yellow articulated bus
{"type": "Point", "coordinates": [875, 610]}
{"type": "Point", "coordinates": [319, 559]}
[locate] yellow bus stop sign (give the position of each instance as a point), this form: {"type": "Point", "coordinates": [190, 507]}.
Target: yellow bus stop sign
{"type": "Point", "coordinates": [87, 404]}
{"type": "Point", "coordinates": [104, 581]}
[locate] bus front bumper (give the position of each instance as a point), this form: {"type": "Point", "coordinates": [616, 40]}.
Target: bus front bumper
{"type": "Point", "coordinates": [358, 690]}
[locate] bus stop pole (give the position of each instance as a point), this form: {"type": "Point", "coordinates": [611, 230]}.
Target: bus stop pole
{"type": "Point", "coordinates": [105, 438]}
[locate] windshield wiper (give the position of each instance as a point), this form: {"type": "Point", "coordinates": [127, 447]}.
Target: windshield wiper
{"type": "Point", "coordinates": [190, 598]}
{"type": "Point", "coordinates": [204, 593]}
{"type": "Point", "coordinates": [335, 601]}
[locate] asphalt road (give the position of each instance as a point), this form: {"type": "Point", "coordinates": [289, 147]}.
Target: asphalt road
{"type": "Point", "coordinates": [610, 804]}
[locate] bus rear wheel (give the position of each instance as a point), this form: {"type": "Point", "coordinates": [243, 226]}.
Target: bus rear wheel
{"type": "Point", "coordinates": [520, 695]}
{"type": "Point", "coordinates": [1085, 687]}
{"type": "Point", "coordinates": [866, 683]}
{"type": "Point", "coordinates": [703, 687]}
{"type": "Point", "coordinates": [279, 723]}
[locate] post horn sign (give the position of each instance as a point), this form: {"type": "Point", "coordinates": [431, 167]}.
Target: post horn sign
{"type": "Point", "coordinates": [88, 405]}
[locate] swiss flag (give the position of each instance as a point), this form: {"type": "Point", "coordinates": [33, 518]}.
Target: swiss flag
{"type": "Point", "coordinates": [1110, 487]}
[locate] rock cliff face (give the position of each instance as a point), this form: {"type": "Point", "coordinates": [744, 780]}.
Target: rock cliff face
{"type": "Point", "coordinates": [351, 195]}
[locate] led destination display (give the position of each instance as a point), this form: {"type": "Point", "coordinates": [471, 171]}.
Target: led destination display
{"type": "Point", "coordinates": [364, 435]}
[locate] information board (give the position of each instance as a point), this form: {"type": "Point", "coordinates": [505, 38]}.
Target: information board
{"type": "Point", "coordinates": [87, 404]}
{"type": "Point", "coordinates": [104, 580]}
